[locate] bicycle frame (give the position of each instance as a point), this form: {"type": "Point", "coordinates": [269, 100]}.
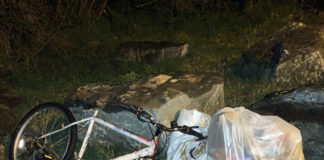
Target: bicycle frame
{"type": "Point", "coordinates": [147, 151]}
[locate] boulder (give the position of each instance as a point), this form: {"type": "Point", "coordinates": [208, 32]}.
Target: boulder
{"type": "Point", "coordinates": [292, 54]}
{"type": "Point", "coordinates": [151, 51]}
{"type": "Point", "coordinates": [164, 94]}
{"type": "Point", "coordinates": [304, 108]}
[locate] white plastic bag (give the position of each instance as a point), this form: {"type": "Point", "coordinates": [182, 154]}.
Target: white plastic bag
{"type": "Point", "coordinates": [240, 134]}
{"type": "Point", "coordinates": [183, 146]}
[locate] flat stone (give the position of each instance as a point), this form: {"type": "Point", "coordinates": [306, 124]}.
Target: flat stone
{"type": "Point", "coordinates": [165, 95]}
{"type": "Point", "coordinates": [151, 51]}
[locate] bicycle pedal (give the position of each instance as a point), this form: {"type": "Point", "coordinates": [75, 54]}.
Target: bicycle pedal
{"type": "Point", "coordinates": [47, 157]}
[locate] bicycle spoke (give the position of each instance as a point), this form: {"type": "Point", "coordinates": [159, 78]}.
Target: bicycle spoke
{"type": "Point", "coordinates": [52, 128]}
{"type": "Point", "coordinates": [47, 117]}
{"type": "Point", "coordinates": [60, 140]}
{"type": "Point", "coordinates": [33, 127]}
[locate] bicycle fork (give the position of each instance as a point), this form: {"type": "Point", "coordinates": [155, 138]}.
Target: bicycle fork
{"type": "Point", "coordinates": [87, 136]}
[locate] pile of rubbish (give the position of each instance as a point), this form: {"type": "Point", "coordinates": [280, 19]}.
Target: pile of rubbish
{"type": "Point", "coordinates": [235, 134]}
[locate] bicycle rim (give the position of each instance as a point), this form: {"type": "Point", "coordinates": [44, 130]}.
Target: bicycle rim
{"type": "Point", "coordinates": [46, 119]}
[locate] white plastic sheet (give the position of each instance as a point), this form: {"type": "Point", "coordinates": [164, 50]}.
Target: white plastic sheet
{"type": "Point", "coordinates": [184, 146]}
{"type": "Point", "coordinates": [240, 134]}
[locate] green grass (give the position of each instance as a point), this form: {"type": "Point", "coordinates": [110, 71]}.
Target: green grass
{"type": "Point", "coordinates": [97, 151]}
{"type": "Point", "coordinates": [244, 92]}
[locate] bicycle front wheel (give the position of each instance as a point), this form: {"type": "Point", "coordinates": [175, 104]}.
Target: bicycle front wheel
{"type": "Point", "coordinates": [26, 142]}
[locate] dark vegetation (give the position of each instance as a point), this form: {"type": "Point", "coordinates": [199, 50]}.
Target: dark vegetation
{"type": "Point", "coordinates": [48, 48]}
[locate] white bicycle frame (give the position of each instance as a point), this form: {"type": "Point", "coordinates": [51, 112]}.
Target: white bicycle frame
{"type": "Point", "coordinates": [147, 151]}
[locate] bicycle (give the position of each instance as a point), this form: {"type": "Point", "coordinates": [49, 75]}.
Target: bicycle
{"type": "Point", "coordinates": [49, 131]}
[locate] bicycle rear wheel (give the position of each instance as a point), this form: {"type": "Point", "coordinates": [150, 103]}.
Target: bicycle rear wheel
{"type": "Point", "coordinates": [42, 119]}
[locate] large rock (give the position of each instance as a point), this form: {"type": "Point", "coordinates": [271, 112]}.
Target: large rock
{"type": "Point", "coordinates": [293, 54]}
{"type": "Point", "coordinates": [151, 51]}
{"type": "Point", "coordinates": [165, 95]}
{"type": "Point", "coordinates": [304, 108]}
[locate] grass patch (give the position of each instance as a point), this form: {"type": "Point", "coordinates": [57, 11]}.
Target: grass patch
{"type": "Point", "coordinates": [244, 92]}
{"type": "Point", "coordinates": [97, 151]}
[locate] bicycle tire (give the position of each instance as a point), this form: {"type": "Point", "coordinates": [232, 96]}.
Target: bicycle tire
{"type": "Point", "coordinates": [25, 138]}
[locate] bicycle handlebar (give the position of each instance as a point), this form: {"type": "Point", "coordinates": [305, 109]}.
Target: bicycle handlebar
{"type": "Point", "coordinates": [184, 129]}
{"type": "Point", "coordinates": [174, 127]}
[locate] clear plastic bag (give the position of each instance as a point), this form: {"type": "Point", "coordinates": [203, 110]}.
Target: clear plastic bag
{"type": "Point", "coordinates": [240, 134]}
{"type": "Point", "coordinates": [183, 146]}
